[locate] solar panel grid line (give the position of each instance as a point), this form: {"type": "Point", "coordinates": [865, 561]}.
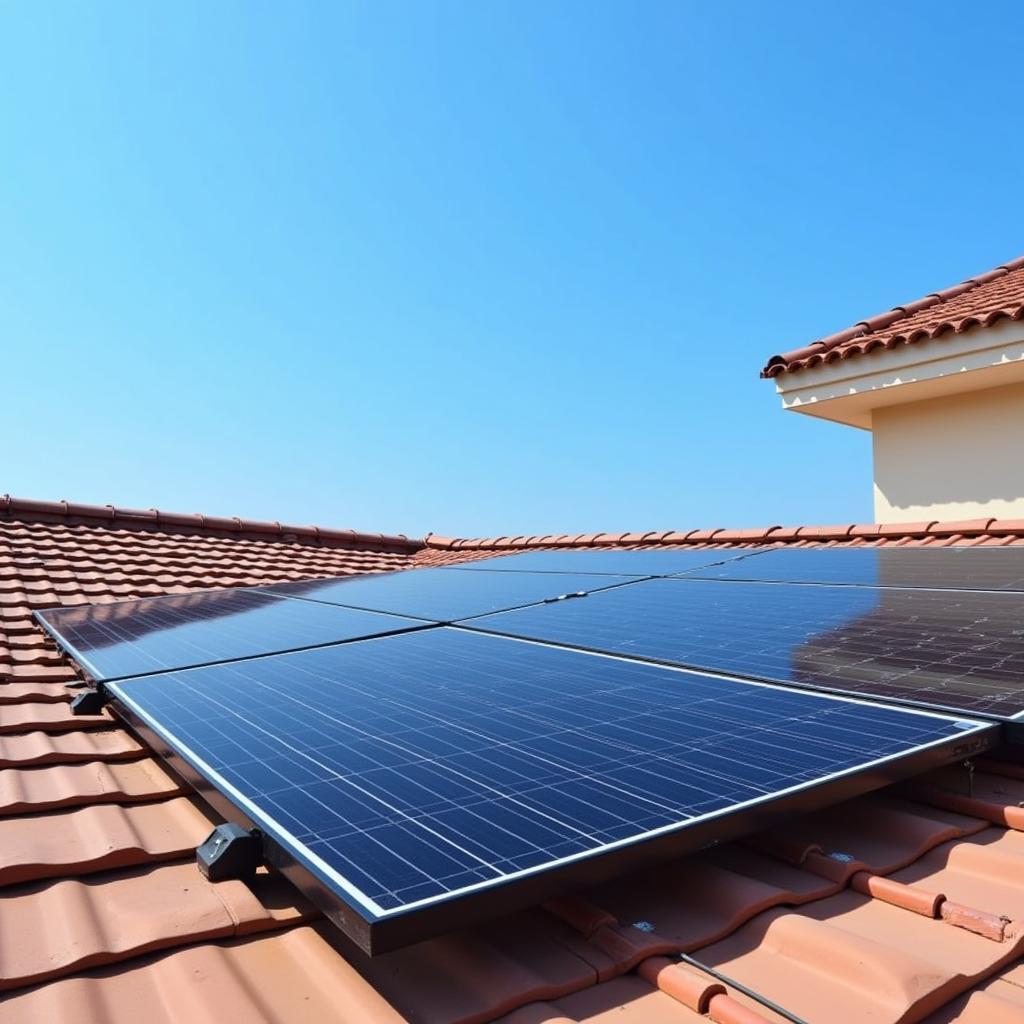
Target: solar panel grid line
{"type": "Point", "coordinates": [592, 806]}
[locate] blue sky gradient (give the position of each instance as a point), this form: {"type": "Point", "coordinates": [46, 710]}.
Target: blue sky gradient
{"type": "Point", "coordinates": [483, 268]}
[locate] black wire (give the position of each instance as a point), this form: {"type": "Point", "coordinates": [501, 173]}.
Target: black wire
{"type": "Point", "coordinates": [740, 987]}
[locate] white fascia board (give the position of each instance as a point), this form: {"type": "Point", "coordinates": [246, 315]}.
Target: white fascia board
{"type": "Point", "coordinates": [847, 390]}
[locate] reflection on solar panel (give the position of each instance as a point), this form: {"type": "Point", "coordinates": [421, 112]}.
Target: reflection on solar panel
{"type": "Point", "coordinates": [131, 637]}
{"type": "Point", "coordinates": [440, 595]}
{"type": "Point", "coordinates": [959, 650]}
{"type": "Point", "coordinates": [655, 562]}
{"type": "Point", "coordinates": [435, 776]}
{"type": "Point", "coordinates": [941, 568]}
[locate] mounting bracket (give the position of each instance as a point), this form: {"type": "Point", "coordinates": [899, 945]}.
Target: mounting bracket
{"type": "Point", "coordinates": [230, 851]}
{"type": "Point", "coordinates": [89, 702]}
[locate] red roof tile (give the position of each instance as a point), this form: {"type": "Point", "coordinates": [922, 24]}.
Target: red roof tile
{"type": "Point", "coordinates": [119, 917]}
{"type": "Point", "coordinates": [31, 790]}
{"type": "Point", "coordinates": [888, 908]}
{"type": "Point", "coordinates": [977, 302]}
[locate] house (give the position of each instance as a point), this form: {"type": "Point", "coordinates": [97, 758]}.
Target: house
{"type": "Point", "coordinates": [903, 905]}
{"type": "Point", "coordinates": [936, 381]}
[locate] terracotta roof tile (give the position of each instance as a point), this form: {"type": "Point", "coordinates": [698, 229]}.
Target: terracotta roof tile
{"type": "Point", "coordinates": [481, 974]}
{"type": "Point", "coordinates": [49, 717]}
{"type": "Point", "coordinates": [287, 977]}
{"type": "Point", "coordinates": [97, 838]}
{"type": "Point", "coordinates": [116, 917]}
{"type": "Point", "coordinates": [629, 1000]}
{"type": "Point", "coordinates": [24, 790]}
{"type": "Point", "coordinates": [37, 748]}
{"type": "Point", "coordinates": [997, 1001]}
{"type": "Point", "coordinates": [23, 693]}
{"type": "Point", "coordinates": [877, 961]}
{"type": "Point", "coordinates": [978, 302]}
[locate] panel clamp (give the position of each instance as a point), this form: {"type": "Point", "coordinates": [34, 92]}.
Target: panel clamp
{"type": "Point", "coordinates": [229, 852]}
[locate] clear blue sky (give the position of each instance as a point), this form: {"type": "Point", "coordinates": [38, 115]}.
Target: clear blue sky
{"type": "Point", "coordinates": [476, 268]}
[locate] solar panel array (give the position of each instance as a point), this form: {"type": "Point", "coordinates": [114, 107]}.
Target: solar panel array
{"type": "Point", "coordinates": [435, 739]}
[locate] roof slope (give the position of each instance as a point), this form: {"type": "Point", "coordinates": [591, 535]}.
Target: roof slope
{"type": "Point", "coordinates": [900, 906]}
{"type": "Point", "coordinates": [979, 301]}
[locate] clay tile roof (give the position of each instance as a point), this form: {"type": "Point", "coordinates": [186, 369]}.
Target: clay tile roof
{"type": "Point", "coordinates": [903, 905]}
{"type": "Point", "coordinates": [979, 301]}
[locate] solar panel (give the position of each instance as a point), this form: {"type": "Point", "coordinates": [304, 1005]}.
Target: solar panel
{"type": "Point", "coordinates": [128, 638]}
{"type": "Point", "coordinates": [440, 595]}
{"type": "Point", "coordinates": [654, 562]}
{"type": "Point", "coordinates": [424, 780]}
{"type": "Point", "coordinates": [960, 650]}
{"type": "Point", "coordinates": [936, 568]}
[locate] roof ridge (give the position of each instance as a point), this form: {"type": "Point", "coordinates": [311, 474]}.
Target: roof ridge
{"type": "Point", "coordinates": [155, 519]}
{"type": "Point", "coordinates": [721, 535]}
{"type": "Point", "coordinates": [864, 328]}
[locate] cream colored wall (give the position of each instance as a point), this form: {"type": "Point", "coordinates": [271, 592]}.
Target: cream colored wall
{"type": "Point", "coordinates": [956, 457]}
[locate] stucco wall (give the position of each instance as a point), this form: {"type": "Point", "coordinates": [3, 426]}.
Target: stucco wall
{"type": "Point", "coordinates": [956, 457]}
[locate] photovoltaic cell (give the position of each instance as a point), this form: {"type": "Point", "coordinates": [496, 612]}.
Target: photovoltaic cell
{"type": "Point", "coordinates": [653, 562]}
{"type": "Point", "coordinates": [958, 650]}
{"type": "Point", "coordinates": [973, 568]}
{"type": "Point", "coordinates": [128, 638]}
{"type": "Point", "coordinates": [443, 763]}
{"type": "Point", "coordinates": [440, 595]}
